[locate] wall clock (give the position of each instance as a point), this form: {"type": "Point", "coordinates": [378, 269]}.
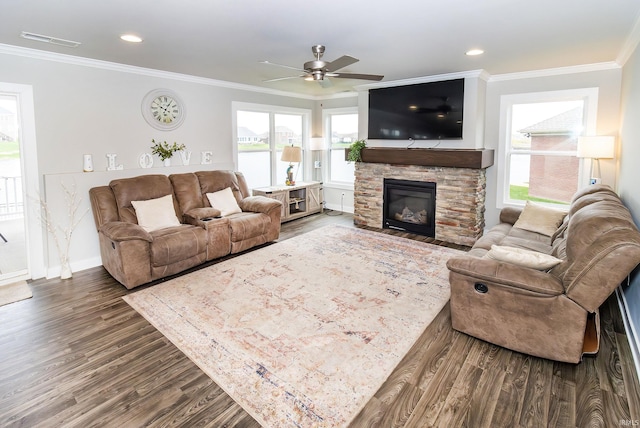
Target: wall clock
{"type": "Point", "coordinates": [163, 109]}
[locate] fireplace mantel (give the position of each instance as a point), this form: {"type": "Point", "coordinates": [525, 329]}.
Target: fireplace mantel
{"type": "Point", "coordinates": [452, 158]}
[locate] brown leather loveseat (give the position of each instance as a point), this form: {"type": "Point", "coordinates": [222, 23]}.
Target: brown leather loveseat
{"type": "Point", "coordinates": [549, 311]}
{"type": "Point", "coordinates": [153, 226]}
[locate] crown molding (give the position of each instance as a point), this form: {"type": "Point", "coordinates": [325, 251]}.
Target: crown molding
{"type": "Point", "coordinates": [481, 74]}
{"type": "Point", "coordinates": [584, 68]}
{"type": "Point", "coordinates": [132, 69]}
{"type": "Point", "coordinates": [630, 44]}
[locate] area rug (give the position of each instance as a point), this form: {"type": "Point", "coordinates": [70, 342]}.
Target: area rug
{"type": "Point", "coordinates": [14, 292]}
{"type": "Point", "coordinates": [302, 333]}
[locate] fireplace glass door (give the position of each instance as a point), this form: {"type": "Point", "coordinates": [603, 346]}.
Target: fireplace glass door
{"type": "Point", "coordinates": [410, 206]}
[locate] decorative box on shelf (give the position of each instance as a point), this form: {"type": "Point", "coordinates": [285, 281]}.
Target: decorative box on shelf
{"type": "Point", "coordinates": [299, 200]}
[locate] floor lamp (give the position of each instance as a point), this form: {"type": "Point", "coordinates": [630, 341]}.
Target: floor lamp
{"type": "Point", "coordinates": [291, 154]}
{"type": "Point", "coordinates": [596, 148]}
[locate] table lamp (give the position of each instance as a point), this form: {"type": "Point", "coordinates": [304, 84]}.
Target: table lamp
{"type": "Point", "coordinates": [291, 154]}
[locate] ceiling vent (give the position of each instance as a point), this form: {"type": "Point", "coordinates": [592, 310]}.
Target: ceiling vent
{"type": "Point", "coordinates": [49, 39]}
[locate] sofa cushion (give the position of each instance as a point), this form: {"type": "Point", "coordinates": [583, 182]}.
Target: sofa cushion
{"type": "Point", "coordinates": [187, 191]}
{"type": "Point", "coordinates": [248, 225]}
{"type": "Point", "coordinates": [213, 181]}
{"type": "Point", "coordinates": [139, 188]}
{"type": "Point", "coordinates": [154, 214]}
{"type": "Point", "coordinates": [522, 257]}
{"type": "Point", "coordinates": [224, 201]}
{"type": "Point", "coordinates": [540, 219]}
{"type": "Point", "coordinates": [174, 244]}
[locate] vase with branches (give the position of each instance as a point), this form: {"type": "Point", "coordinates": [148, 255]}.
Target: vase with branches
{"type": "Point", "coordinates": [165, 151]}
{"type": "Point", "coordinates": [61, 234]}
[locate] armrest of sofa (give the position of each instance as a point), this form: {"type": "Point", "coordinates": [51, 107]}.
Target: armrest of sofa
{"type": "Point", "coordinates": [510, 215]}
{"type": "Point", "coordinates": [195, 215]}
{"type": "Point", "coordinates": [124, 231]}
{"type": "Point", "coordinates": [506, 274]}
{"type": "Point", "coordinates": [260, 204]}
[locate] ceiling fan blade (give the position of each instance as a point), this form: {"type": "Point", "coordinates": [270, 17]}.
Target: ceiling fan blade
{"type": "Point", "coordinates": [281, 65]}
{"type": "Point", "coordinates": [341, 62]}
{"type": "Point", "coordinates": [359, 76]}
{"type": "Point", "coordinates": [285, 78]}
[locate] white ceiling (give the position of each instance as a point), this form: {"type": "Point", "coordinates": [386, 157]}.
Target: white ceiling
{"type": "Point", "coordinates": [400, 39]}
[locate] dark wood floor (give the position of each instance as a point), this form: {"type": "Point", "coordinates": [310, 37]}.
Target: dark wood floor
{"type": "Point", "coordinates": [76, 355]}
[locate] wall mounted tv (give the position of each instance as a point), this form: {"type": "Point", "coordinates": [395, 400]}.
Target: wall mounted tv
{"type": "Point", "coordinates": [425, 111]}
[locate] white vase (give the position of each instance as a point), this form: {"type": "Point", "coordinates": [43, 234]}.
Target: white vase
{"type": "Point", "coordinates": [167, 162]}
{"type": "Point", "coordinates": [65, 270]}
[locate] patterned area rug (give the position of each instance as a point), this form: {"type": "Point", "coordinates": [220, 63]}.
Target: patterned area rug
{"type": "Point", "coordinates": [302, 333]}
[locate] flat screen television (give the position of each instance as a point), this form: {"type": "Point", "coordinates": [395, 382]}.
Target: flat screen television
{"type": "Point", "coordinates": [425, 111]}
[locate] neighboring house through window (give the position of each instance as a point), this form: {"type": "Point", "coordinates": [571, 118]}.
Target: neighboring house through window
{"type": "Point", "coordinates": [539, 137]}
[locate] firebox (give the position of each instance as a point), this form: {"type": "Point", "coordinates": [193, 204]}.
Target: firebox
{"type": "Point", "coordinates": [410, 206]}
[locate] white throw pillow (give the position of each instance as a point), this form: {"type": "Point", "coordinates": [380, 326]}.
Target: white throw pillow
{"type": "Point", "coordinates": [224, 201]}
{"type": "Point", "coordinates": [522, 257]}
{"type": "Point", "coordinates": [154, 214]}
{"type": "Point", "coordinates": [540, 219]}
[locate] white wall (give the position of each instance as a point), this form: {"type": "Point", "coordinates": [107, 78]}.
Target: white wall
{"type": "Point", "coordinates": [95, 108]}
{"type": "Point", "coordinates": [606, 78]}
{"type": "Point", "coordinates": [629, 177]}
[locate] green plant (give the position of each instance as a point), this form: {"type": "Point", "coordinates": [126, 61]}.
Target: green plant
{"type": "Point", "coordinates": [164, 150]}
{"type": "Point", "coordinates": [355, 150]}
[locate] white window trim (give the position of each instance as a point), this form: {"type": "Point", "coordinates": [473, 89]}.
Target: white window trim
{"type": "Point", "coordinates": [590, 97]}
{"type": "Point", "coordinates": [272, 110]}
{"type": "Point", "coordinates": [326, 131]}
{"type": "Point", "coordinates": [30, 179]}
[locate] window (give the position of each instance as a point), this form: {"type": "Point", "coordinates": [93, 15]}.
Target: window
{"type": "Point", "coordinates": [341, 125]}
{"type": "Point", "coordinates": [260, 134]}
{"type": "Point", "coordinates": [540, 135]}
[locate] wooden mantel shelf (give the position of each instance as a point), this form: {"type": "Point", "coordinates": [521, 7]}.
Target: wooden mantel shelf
{"type": "Point", "coordinates": [451, 158]}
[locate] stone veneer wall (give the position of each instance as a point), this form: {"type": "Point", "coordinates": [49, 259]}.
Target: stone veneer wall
{"type": "Point", "coordinates": [460, 197]}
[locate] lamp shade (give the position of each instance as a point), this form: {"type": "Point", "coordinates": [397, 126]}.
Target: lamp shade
{"type": "Point", "coordinates": [596, 147]}
{"type": "Point", "coordinates": [291, 154]}
{"type": "Point", "coordinates": [317, 143]}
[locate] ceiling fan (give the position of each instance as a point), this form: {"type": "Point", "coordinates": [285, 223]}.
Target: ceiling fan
{"type": "Point", "coordinates": [317, 69]}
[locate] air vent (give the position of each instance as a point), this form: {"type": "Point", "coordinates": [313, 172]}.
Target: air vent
{"type": "Point", "coordinates": [49, 39]}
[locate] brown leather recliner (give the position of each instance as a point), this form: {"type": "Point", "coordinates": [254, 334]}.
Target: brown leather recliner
{"type": "Point", "coordinates": [134, 256]}
{"type": "Point", "coordinates": [551, 314]}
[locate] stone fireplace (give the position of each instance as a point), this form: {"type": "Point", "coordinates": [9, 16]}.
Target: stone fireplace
{"type": "Point", "coordinates": [461, 191]}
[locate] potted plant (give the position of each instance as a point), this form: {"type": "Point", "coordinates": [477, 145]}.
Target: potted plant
{"type": "Point", "coordinates": [166, 151]}
{"type": "Point", "coordinates": [355, 151]}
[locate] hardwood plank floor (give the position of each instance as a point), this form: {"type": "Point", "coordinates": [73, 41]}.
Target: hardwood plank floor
{"type": "Point", "coordinates": [76, 355]}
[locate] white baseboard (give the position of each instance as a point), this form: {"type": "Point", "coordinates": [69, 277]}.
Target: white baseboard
{"type": "Point", "coordinates": [631, 329]}
{"type": "Point", "coordinates": [77, 266]}
{"type": "Point", "coordinates": [337, 207]}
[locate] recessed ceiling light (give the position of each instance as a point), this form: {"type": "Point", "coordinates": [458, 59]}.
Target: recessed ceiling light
{"type": "Point", "coordinates": [474, 52]}
{"type": "Point", "coordinates": [49, 39]}
{"type": "Point", "coordinates": [132, 38]}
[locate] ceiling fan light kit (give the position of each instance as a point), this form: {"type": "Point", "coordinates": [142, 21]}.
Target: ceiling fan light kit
{"type": "Point", "coordinates": [317, 69]}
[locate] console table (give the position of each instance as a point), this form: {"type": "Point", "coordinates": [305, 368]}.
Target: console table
{"type": "Point", "coordinates": [299, 200]}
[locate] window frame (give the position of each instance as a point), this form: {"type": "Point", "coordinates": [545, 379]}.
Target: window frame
{"type": "Point", "coordinates": [273, 110]}
{"type": "Point", "coordinates": [326, 128]}
{"type": "Point", "coordinates": [590, 98]}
